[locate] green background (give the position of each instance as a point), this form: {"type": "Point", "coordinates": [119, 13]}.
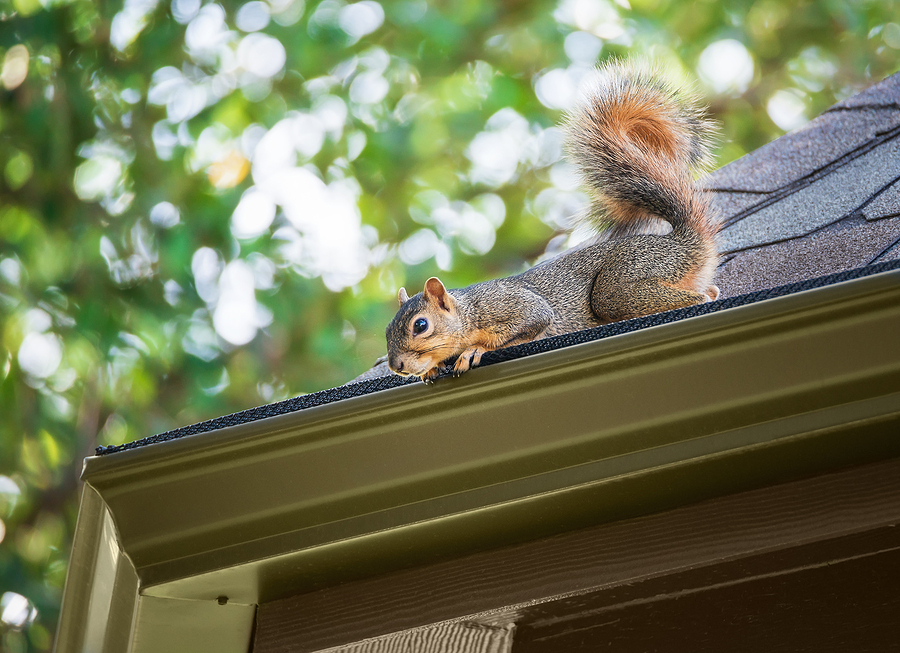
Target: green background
{"type": "Point", "coordinates": [127, 136]}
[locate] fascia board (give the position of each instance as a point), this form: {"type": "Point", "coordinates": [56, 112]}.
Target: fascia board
{"type": "Point", "coordinates": [101, 593]}
{"type": "Point", "coordinates": [603, 431]}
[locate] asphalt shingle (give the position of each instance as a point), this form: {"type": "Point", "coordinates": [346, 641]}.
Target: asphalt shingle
{"type": "Point", "coordinates": [726, 204]}
{"type": "Point", "coordinates": [850, 243]}
{"type": "Point", "coordinates": [804, 151]}
{"type": "Point", "coordinates": [891, 254]}
{"type": "Point", "coordinates": [887, 204]}
{"type": "Point", "coordinates": [833, 196]}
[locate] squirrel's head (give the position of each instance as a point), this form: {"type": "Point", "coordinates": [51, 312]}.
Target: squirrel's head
{"type": "Point", "coordinates": [422, 334]}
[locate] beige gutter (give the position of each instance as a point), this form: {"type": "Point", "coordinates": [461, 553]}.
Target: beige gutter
{"type": "Point", "coordinates": [612, 429]}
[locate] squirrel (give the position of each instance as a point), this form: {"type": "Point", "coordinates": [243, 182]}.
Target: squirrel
{"type": "Point", "coordinates": [636, 142]}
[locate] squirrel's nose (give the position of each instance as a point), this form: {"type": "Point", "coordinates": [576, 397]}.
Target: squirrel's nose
{"type": "Point", "coordinates": [396, 364]}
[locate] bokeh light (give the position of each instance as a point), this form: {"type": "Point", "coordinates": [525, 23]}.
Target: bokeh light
{"type": "Point", "coordinates": [16, 611]}
{"type": "Point", "coordinates": [361, 18]}
{"type": "Point", "coordinates": [726, 66]}
{"type": "Point", "coordinates": [787, 109]}
{"type": "Point", "coordinates": [15, 67]}
{"type": "Point", "coordinates": [253, 16]}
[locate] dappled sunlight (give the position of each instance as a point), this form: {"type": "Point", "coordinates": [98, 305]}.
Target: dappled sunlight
{"type": "Point", "coordinates": [206, 265]}
{"type": "Point", "coordinates": [599, 17]}
{"type": "Point", "coordinates": [253, 16]}
{"type": "Point", "coordinates": [16, 611]}
{"type": "Point", "coordinates": [508, 145]}
{"type": "Point", "coordinates": [137, 259]}
{"type": "Point", "coordinates": [228, 171]}
{"type": "Point", "coordinates": [15, 67]}
{"type": "Point", "coordinates": [165, 215]}
{"type": "Point", "coordinates": [583, 47]}
{"type": "Point", "coordinates": [557, 205]}
{"type": "Point", "coordinates": [422, 245]}
{"type": "Point", "coordinates": [207, 36]}
{"type": "Point", "coordinates": [40, 354]}
{"type": "Point", "coordinates": [128, 23]}
{"type": "Point", "coordinates": [560, 88]}
{"type": "Point", "coordinates": [260, 55]}
{"type": "Point", "coordinates": [361, 18]}
{"type": "Point", "coordinates": [11, 271]}
{"type": "Point", "coordinates": [237, 315]}
{"type": "Point", "coordinates": [787, 109]}
{"type": "Point", "coordinates": [726, 66]}
{"type": "Point", "coordinates": [183, 11]}
{"type": "Point", "coordinates": [253, 215]}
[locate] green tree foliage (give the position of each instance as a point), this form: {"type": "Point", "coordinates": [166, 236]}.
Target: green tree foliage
{"type": "Point", "coordinates": [208, 206]}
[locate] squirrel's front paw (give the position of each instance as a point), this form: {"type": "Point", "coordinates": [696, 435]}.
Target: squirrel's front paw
{"type": "Point", "coordinates": [470, 358]}
{"type": "Point", "coordinates": [431, 374]}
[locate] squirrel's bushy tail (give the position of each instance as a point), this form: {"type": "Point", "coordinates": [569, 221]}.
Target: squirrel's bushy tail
{"type": "Point", "coordinates": [637, 141]}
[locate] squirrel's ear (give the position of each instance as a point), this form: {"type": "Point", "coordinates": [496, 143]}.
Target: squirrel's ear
{"type": "Point", "coordinates": [435, 292]}
{"type": "Point", "coordinates": [402, 297]}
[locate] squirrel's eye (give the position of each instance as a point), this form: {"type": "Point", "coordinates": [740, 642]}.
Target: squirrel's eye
{"type": "Point", "coordinates": [419, 326]}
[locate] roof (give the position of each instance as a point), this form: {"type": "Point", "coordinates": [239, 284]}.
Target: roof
{"type": "Point", "coordinates": [822, 199]}
{"type": "Point", "coordinates": [762, 386]}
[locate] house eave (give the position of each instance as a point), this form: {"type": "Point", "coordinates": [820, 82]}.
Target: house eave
{"type": "Point", "coordinates": [604, 431]}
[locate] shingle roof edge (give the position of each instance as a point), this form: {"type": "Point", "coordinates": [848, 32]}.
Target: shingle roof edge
{"type": "Point", "coordinates": [348, 391]}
